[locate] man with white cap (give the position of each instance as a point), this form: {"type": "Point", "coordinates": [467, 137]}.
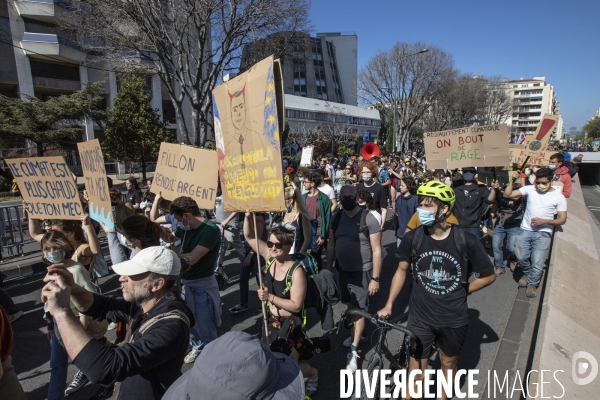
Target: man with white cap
{"type": "Point", "coordinates": [239, 366]}
{"type": "Point", "coordinates": [157, 338]}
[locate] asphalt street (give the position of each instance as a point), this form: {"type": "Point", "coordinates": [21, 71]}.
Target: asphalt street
{"type": "Point", "coordinates": [489, 312]}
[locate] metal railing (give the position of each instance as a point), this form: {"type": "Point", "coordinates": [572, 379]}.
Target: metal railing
{"type": "Point", "coordinates": [12, 230]}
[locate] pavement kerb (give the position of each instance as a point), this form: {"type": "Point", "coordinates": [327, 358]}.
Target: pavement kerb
{"type": "Point", "coordinates": [568, 322]}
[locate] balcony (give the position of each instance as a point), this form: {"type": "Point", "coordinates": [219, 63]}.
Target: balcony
{"type": "Point", "coordinates": [40, 10]}
{"type": "Point", "coordinates": [39, 45]}
{"type": "Point", "coordinates": [60, 84]}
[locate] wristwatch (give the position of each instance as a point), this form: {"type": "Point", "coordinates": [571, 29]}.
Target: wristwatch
{"type": "Point", "coordinates": [376, 279]}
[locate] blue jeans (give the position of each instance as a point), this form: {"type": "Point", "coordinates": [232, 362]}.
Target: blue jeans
{"type": "Point", "coordinates": [204, 330]}
{"type": "Point", "coordinates": [500, 232]}
{"type": "Point", "coordinates": [59, 363]}
{"type": "Point", "coordinates": [245, 278]}
{"type": "Point", "coordinates": [532, 251]}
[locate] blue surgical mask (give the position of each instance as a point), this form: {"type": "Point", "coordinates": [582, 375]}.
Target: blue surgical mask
{"type": "Point", "coordinates": [552, 167]}
{"type": "Point", "coordinates": [427, 218]}
{"type": "Point", "coordinates": [301, 179]}
{"type": "Point", "coordinates": [54, 256]}
{"type": "Point", "coordinates": [185, 227]}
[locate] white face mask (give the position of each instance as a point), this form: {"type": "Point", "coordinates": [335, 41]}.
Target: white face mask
{"type": "Point", "coordinates": [367, 177]}
{"type": "Point", "coordinates": [54, 256]}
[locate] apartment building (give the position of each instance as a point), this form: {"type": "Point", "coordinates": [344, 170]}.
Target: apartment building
{"type": "Point", "coordinates": [45, 61]}
{"type": "Point", "coordinates": [532, 98]}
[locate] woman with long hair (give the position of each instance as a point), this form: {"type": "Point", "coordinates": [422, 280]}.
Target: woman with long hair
{"type": "Point", "coordinates": [85, 249]}
{"type": "Point", "coordinates": [134, 193]}
{"type": "Point", "coordinates": [285, 305]}
{"type": "Point", "coordinates": [297, 218]}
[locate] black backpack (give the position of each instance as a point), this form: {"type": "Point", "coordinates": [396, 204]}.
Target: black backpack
{"type": "Point", "coordinates": [460, 242]}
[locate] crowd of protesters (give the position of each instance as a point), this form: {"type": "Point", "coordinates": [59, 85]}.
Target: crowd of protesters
{"type": "Point", "coordinates": [167, 255]}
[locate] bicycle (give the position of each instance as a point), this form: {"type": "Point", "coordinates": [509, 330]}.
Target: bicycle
{"type": "Point", "coordinates": [397, 361]}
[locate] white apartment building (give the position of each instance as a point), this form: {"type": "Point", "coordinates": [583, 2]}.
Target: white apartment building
{"type": "Point", "coordinates": [43, 62]}
{"type": "Point", "coordinates": [532, 98]}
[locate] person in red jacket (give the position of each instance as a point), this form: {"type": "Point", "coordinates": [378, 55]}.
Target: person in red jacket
{"type": "Point", "coordinates": [561, 173]}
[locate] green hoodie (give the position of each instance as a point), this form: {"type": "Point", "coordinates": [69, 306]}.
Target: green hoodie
{"type": "Point", "coordinates": [324, 205]}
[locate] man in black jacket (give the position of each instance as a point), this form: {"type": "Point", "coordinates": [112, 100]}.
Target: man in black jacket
{"type": "Point", "coordinates": [158, 330]}
{"type": "Point", "coordinates": [472, 202]}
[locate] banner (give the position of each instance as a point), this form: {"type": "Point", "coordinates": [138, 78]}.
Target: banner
{"type": "Point", "coordinates": [47, 186]}
{"type": "Point", "coordinates": [186, 171]}
{"type": "Point", "coordinates": [475, 146]}
{"type": "Point", "coordinates": [96, 185]}
{"type": "Point", "coordinates": [248, 111]}
{"type": "Point", "coordinates": [307, 154]}
{"type": "Point", "coordinates": [518, 156]}
{"type": "Point", "coordinates": [538, 142]}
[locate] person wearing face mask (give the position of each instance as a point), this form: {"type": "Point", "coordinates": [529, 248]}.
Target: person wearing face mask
{"type": "Point", "coordinates": [369, 171]}
{"type": "Point", "coordinates": [302, 174]}
{"type": "Point", "coordinates": [120, 209]}
{"type": "Point", "coordinates": [472, 202]}
{"type": "Point", "coordinates": [438, 302]}
{"type": "Point", "coordinates": [319, 207]}
{"type": "Point", "coordinates": [297, 218]}
{"type": "Point", "coordinates": [57, 249]}
{"type": "Point", "coordinates": [365, 201]}
{"type": "Point", "coordinates": [535, 233]}
{"type": "Point", "coordinates": [201, 241]}
{"type": "Point", "coordinates": [355, 245]}
{"type": "Point", "coordinates": [561, 177]}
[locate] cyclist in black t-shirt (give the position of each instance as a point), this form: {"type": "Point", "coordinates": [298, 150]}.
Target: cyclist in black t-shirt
{"type": "Point", "coordinates": [438, 303]}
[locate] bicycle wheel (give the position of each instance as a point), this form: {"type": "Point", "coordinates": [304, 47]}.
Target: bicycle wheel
{"type": "Point", "coordinates": [375, 364]}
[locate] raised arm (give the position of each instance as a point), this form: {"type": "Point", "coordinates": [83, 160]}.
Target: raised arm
{"type": "Point", "coordinates": [154, 209]}
{"type": "Point", "coordinates": [94, 244]}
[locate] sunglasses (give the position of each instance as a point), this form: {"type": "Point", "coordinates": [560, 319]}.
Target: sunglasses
{"type": "Point", "coordinates": [277, 245]}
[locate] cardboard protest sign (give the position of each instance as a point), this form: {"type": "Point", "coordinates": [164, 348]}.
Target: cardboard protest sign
{"type": "Point", "coordinates": [96, 185]}
{"type": "Point", "coordinates": [47, 186]}
{"type": "Point", "coordinates": [307, 154]}
{"type": "Point", "coordinates": [536, 146]}
{"type": "Point", "coordinates": [186, 171]}
{"type": "Point", "coordinates": [518, 156]}
{"type": "Point", "coordinates": [248, 111]}
{"type": "Point", "coordinates": [475, 146]}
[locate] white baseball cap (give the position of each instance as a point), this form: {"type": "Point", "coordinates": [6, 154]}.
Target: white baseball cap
{"type": "Point", "coordinates": [155, 259]}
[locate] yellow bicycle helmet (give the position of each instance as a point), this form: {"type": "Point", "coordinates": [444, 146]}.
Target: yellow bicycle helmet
{"type": "Point", "coordinates": [440, 191]}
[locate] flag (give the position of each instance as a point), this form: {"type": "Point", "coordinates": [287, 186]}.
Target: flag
{"type": "Point", "coordinates": [521, 137]}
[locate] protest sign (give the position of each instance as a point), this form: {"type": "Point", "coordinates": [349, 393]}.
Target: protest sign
{"type": "Point", "coordinates": [248, 111]}
{"type": "Point", "coordinates": [186, 171]}
{"type": "Point", "coordinates": [518, 156]}
{"type": "Point", "coordinates": [475, 146]}
{"type": "Point", "coordinates": [47, 186]}
{"type": "Point", "coordinates": [306, 159]}
{"type": "Point", "coordinates": [536, 144]}
{"type": "Point", "coordinates": [96, 185]}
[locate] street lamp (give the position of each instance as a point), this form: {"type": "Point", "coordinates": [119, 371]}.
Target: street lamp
{"type": "Point", "coordinates": [394, 147]}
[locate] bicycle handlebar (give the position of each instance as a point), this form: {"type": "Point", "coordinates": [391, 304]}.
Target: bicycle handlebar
{"type": "Point", "coordinates": [375, 320]}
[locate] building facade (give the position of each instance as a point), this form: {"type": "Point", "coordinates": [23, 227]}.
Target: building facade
{"type": "Point", "coordinates": [350, 124]}
{"type": "Point", "coordinates": [532, 98]}
{"type": "Point", "coordinates": [44, 61]}
{"type": "Point", "coordinates": [323, 67]}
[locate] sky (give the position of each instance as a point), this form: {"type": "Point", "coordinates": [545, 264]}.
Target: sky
{"type": "Point", "coordinates": [559, 39]}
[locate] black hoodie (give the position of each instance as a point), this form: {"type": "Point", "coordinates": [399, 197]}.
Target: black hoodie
{"type": "Point", "coordinates": [152, 362]}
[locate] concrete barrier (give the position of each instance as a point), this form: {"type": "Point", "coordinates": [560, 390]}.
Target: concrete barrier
{"type": "Point", "coordinates": [569, 321]}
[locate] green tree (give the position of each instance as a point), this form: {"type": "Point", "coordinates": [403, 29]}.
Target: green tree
{"type": "Point", "coordinates": [135, 131]}
{"type": "Point", "coordinates": [592, 128]}
{"type": "Point", "coordinates": [51, 125]}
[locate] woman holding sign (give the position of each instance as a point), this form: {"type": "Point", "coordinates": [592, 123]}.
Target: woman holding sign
{"type": "Point", "coordinates": [76, 232]}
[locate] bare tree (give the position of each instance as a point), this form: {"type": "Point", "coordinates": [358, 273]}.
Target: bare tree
{"type": "Point", "coordinates": [410, 83]}
{"type": "Point", "coordinates": [190, 44]}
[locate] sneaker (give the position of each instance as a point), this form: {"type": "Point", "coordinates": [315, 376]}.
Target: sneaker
{"type": "Point", "coordinates": [348, 341]}
{"type": "Point", "coordinates": [79, 381]}
{"type": "Point", "coordinates": [238, 309]}
{"type": "Point", "coordinates": [191, 356]}
{"type": "Point", "coordinates": [530, 292]}
{"type": "Point", "coordinates": [523, 281]}
{"type": "Point", "coordinates": [352, 363]}
{"type": "Point", "coordinates": [103, 393]}
{"type": "Point", "coordinates": [13, 317]}
{"type": "Point", "coordinates": [499, 271]}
